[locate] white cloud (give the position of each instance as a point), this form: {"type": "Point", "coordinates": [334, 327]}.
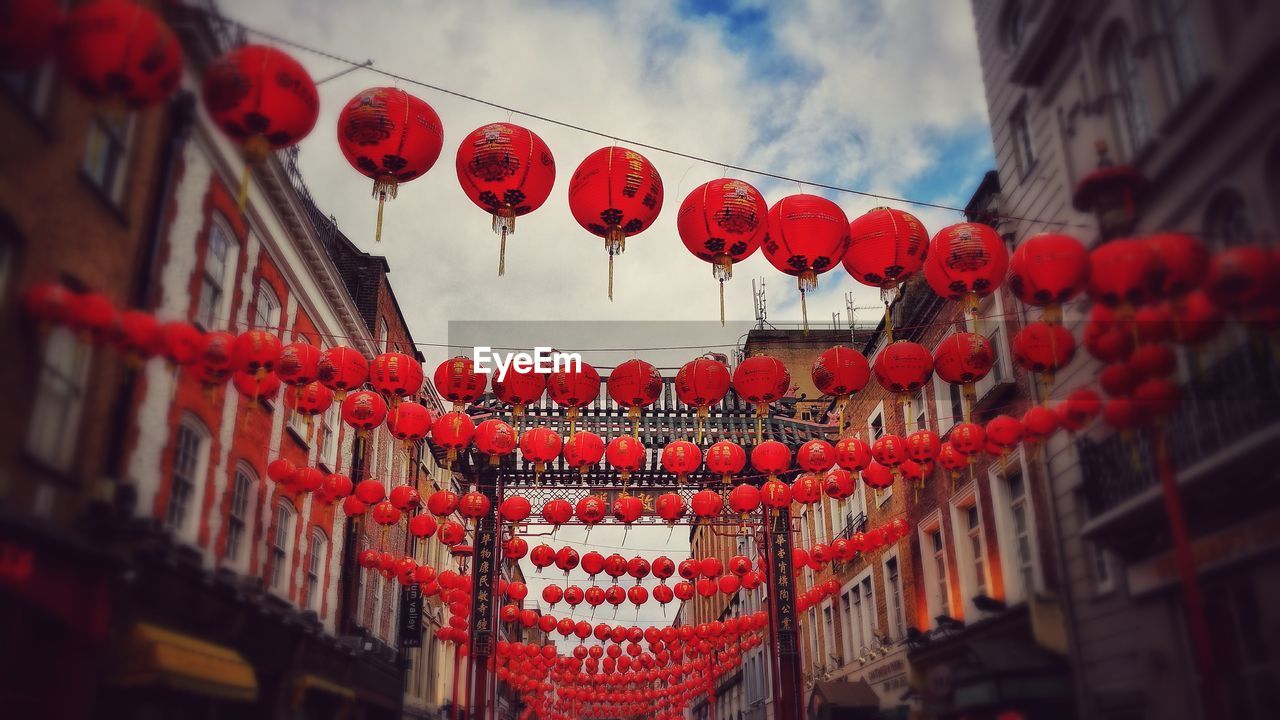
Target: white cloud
{"type": "Point", "coordinates": [880, 83]}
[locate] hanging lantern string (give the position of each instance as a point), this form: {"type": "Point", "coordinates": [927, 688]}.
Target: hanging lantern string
{"type": "Point", "coordinates": [369, 66]}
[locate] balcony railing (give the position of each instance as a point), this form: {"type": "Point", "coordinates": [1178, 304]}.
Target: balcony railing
{"type": "Point", "coordinates": [1224, 404]}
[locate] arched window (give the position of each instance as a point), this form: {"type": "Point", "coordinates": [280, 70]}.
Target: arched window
{"type": "Point", "coordinates": [1124, 88]}
{"type": "Point", "coordinates": [315, 564]}
{"type": "Point", "coordinates": [242, 485]}
{"type": "Point", "coordinates": [213, 280]}
{"type": "Point", "coordinates": [280, 543]}
{"type": "Point", "coordinates": [1172, 29]}
{"type": "Point", "coordinates": [1226, 220]}
{"type": "Point", "coordinates": [266, 308]}
{"type": "Point", "coordinates": [190, 460]}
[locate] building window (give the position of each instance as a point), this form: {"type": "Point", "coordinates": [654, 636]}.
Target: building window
{"type": "Point", "coordinates": [32, 89]}
{"type": "Point", "coordinates": [1018, 510]}
{"type": "Point", "coordinates": [319, 544]}
{"type": "Point", "coordinates": [893, 586]}
{"type": "Point", "coordinates": [266, 309]}
{"type": "Point", "coordinates": [214, 278]}
{"type": "Point", "coordinates": [1125, 89]}
{"type": "Point", "coordinates": [1024, 155]}
{"type": "Point", "coordinates": [190, 457]}
{"type": "Point", "coordinates": [55, 417]}
{"type": "Point", "coordinates": [1226, 220]}
{"type": "Point", "coordinates": [919, 412]}
{"type": "Point", "coordinates": [241, 488]}
{"type": "Point", "coordinates": [934, 552]}
{"type": "Point", "coordinates": [382, 335]}
{"type": "Point", "coordinates": [1180, 59]}
{"type": "Point", "coordinates": [1013, 25]}
{"type": "Point", "coordinates": [970, 554]}
{"type": "Point", "coordinates": [832, 654]}
{"type": "Point", "coordinates": [106, 153]}
{"type": "Point", "coordinates": [327, 440]}
{"type": "Point", "coordinates": [875, 427]}
{"type": "Point", "coordinates": [280, 545]}
{"type": "Point", "coordinates": [859, 606]}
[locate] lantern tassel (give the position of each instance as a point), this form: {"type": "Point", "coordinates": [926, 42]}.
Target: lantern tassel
{"type": "Point", "coordinates": [722, 303]}
{"type": "Point", "coordinates": [243, 198]}
{"type": "Point", "coordinates": [377, 232]}
{"type": "Point", "coordinates": [807, 282]}
{"type": "Point", "coordinates": [615, 242]}
{"type": "Point", "coordinates": [504, 223]}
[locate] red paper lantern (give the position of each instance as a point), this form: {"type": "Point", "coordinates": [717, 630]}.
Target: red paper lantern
{"type": "Point", "coordinates": [615, 193]}
{"type": "Point", "coordinates": [422, 526]}
{"type": "Point", "coordinates": [409, 422]}
{"type": "Point", "coordinates": [1120, 413]}
{"type": "Point", "coordinates": [115, 51]}
{"type": "Point", "coordinates": [903, 367]}
{"type": "Point", "coordinates": [591, 509]}
{"type": "Point", "coordinates": [771, 457]}
{"type": "Point", "coordinates": [181, 342]}
{"type": "Point", "coordinates": [1080, 408]}
{"type": "Point", "coordinates": [384, 513]}
{"type": "Point", "coordinates": [1048, 269]}
{"type": "Point", "coordinates": [744, 499]}
{"type": "Point", "coordinates": [515, 548]}
{"type": "Point", "coordinates": [963, 358]}
{"type": "Point", "coordinates": [390, 137]}
{"type": "Point", "coordinates": [889, 450]}
{"type": "Point", "coordinates": [807, 236]}
{"type": "Point", "coordinates": [680, 458]}
{"type": "Point", "coordinates": [514, 509]}
{"type": "Point", "coordinates": [670, 506]}
{"type": "Point", "coordinates": [775, 494]}
{"type": "Point", "coordinates": [1156, 399]}
{"type": "Point", "coordinates": [807, 489]}
{"type": "Point", "coordinates": [886, 246]}
{"type": "Point", "coordinates": [1197, 319]}
{"type": "Point", "coordinates": [635, 384]}
{"type": "Point", "coordinates": [967, 261]}
{"type": "Point", "coordinates": [1152, 360]}
{"type": "Point", "coordinates": [567, 557]}
{"type": "Point", "coordinates": [139, 335]}
{"type": "Point", "coordinates": [840, 372]}
{"type": "Point", "coordinates": [1116, 379]}
{"type": "Point", "coordinates": [852, 453]}
{"type": "Point", "coordinates": [726, 459]}
{"type": "Point", "coordinates": [452, 431]}
{"type": "Point", "coordinates": [923, 446]}
{"type": "Point", "coordinates": [761, 380]}
{"type": "Point", "coordinates": [352, 506]}
{"type": "Point", "coordinates": [1039, 422]}
{"type": "Point", "coordinates": [583, 450]}
{"type": "Point", "coordinates": [1153, 323]}
{"type": "Point", "coordinates": [557, 512]}
{"type": "Point", "coordinates": [723, 222]}
{"type": "Point", "coordinates": [281, 470]}
{"type": "Point", "coordinates": [877, 476]}
{"type": "Point", "coordinates": [341, 369]}
{"type": "Point", "coordinates": [1240, 277]}
{"type": "Point", "coordinates": [255, 352]}
{"type": "Point", "coordinates": [701, 383]}
{"type": "Point", "coordinates": [1004, 432]}
{"type": "Point", "coordinates": [255, 387]}
{"type": "Point", "coordinates": [496, 439]}
{"type": "Point", "coordinates": [627, 509]}
{"type": "Point", "coordinates": [364, 410]}
{"type": "Point", "coordinates": [839, 484]}
{"type": "Point", "coordinates": [520, 388]}
{"type": "Point", "coordinates": [706, 504]}
{"type": "Point", "coordinates": [299, 364]}
{"type": "Point", "coordinates": [405, 498]}
{"type": "Point", "coordinates": [337, 486]}
{"type": "Point", "coordinates": [457, 380]}
{"type": "Point", "coordinates": [395, 375]}
{"type": "Point", "coordinates": [442, 503]}
{"type": "Point", "coordinates": [539, 446]}
{"type": "Point", "coordinates": [1122, 272]}
{"type": "Point", "coordinates": [816, 456]}
{"type": "Point", "coordinates": [508, 171]}
{"type": "Point", "coordinates": [573, 388]}
{"type": "Point", "coordinates": [1043, 348]}
{"type": "Point", "coordinates": [663, 567]}
{"type": "Point", "coordinates": [1182, 261]}
{"type": "Point", "coordinates": [952, 460]}
{"type": "Point", "coordinates": [625, 454]}
{"type": "Point", "coordinates": [93, 315]}
{"type": "Point", "coordinates": [474, 505]}
{"type": "Point", "coordinates": [638, 568]}
{"type": "Point", "coordinates": [262, 99]}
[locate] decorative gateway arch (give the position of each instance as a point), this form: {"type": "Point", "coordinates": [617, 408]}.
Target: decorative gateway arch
{"type": "Point", "coordinates": [661, 692]}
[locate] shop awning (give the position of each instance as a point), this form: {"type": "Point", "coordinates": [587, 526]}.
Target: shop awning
{"type": "Point", "coordinates": [319, 684]}
{"type": "Point", "coordinates": [156, 656]}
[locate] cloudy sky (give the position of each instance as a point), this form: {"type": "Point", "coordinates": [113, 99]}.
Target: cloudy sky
{"type": "Point", "coordinates": [884, 96]}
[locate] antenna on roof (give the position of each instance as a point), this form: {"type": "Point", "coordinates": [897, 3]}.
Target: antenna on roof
{"type": "Point", "coordinates": [757, 294]}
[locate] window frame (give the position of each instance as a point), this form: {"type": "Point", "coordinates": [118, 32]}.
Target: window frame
{"type": "Point", "coordinates": [1002, 502]}
{"type": "Point", "coordinates": [959, 505]}
{"type": "Point", "coordinates": [1023, 141]}
{"type": "Point", "coordinates": [185, 526]}
{"type": "Point", "coordinates": [208, 313]}
{"type": "Point", "coordinates": [831, 654]}
{"type": "Point", "coordinates": [281, 546]}
{"type": "Point", "coordinates": [938, 600]}
{"type": "Point", "coordinates": [896, 616]}
{"type": "Point", "coordinates": [318, 545]}
{"type": "Point", "coordinates": [264, 294]}
{"type": "Point", "coordinates": [107, 169]}
{"type": "Point", "coordinates": [1121, 73]}
{"type": "Point", "coordinates": [233, 552]}
{"type": "Point", "coordinates": [1227, 218]}
{"type": "Point", "coordinates": [64, 369]}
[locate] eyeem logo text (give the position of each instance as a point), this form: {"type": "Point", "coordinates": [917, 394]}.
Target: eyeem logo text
{"type": "Point", "coordinates": [543, 360]}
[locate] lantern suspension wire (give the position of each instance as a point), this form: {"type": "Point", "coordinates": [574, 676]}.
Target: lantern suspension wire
{"type": "Point", "coordinates": [370, 66]}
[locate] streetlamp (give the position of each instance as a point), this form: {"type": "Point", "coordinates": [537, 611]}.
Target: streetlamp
{"type": "Point", "coordinates": [1113, 193]}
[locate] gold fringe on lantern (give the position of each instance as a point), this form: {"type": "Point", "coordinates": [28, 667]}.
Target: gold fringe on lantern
{"type": "Point", "coordinates": [761, 411]}
{"type": "Point", "coordinates": [504, 224]}
{"type": "Point", "coordinates": [807, 282]}
{"type": "Point", "coordinates": [255, 150]}
{"type": "Point", "coordinates": [634, 414]}
{"type": "Point", "coordinates": [722, 270]}
{"type": "Point", "coordinates": [572, 415]}
{"type": "Point", "coordinates": [699, 422]}
{"type": "Point", "coordinates": [615, 243]}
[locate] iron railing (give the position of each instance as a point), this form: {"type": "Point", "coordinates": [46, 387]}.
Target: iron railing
{"type": "Point", "coordinates": [1224, 403]}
